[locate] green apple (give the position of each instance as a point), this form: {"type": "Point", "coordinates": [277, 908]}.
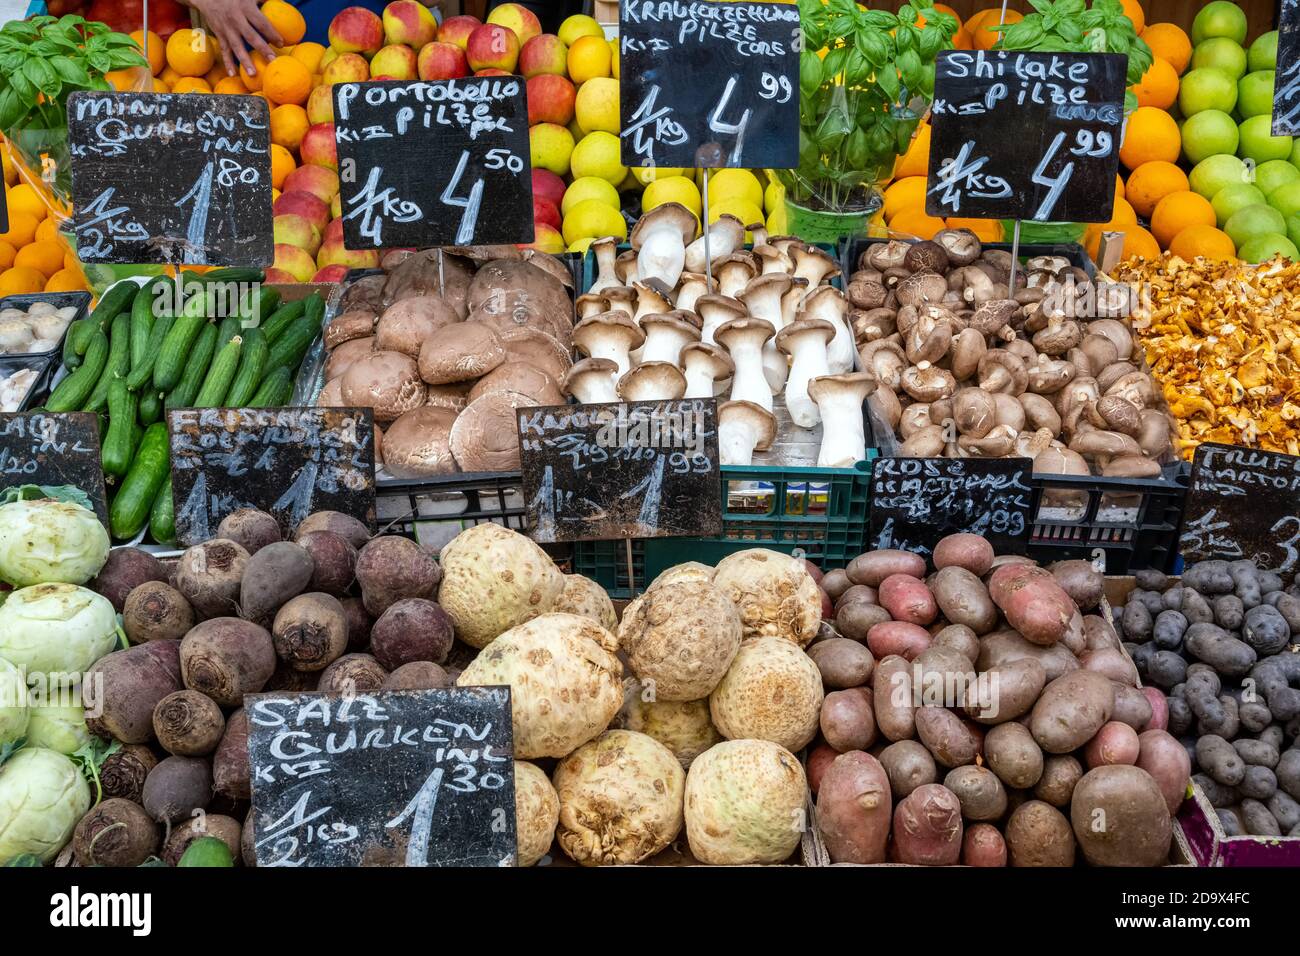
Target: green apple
{"type": "Point", "coordinates": [1262, 54]}
{"type": "Point", "coordinates": [1293, 228]}
{"type": "Point", "coordinates": [1209, 133]}
{"type": "Point", "coordinates": [1273, 174]}
{"type": "Point", "coordinates": [1216, 173]}
{"type": "Point", "coordinates": [1286, 199]}
{"type": "Point", "coordinates": [1259, 143]}
{"type": "Point", "coordinates": [1257, 220]}
{"type": "Point", "coordinates": [1220, 53]}
{"type": "Point", "coordinates": [1207, 89]}
{"type": "Point", "coordinates": [1255, 94]}
{"type": "Point", "coordinates": [1219, 19]}
{"type": "Point", "coordinates": [1232, 199]}
{"type": "Point", "coordinates": [1264, 247]}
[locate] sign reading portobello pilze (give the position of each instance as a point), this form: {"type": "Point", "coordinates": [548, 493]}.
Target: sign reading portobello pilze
{"type": "Point", "coordinates": [709, 84]}
{"type": "Point", "coordinates": [1286, 84]}
{"type": "Point", "coordinates": [387, 778]}
{"type": "Point", "coordinates": [286, 461]}
{"type": "Point", "coordinates": [1031, 136]}
{"type": "Point", "coordinates": [599, 472]}
{"type": "Point", "coordinates": [1243, 504]}
{"type": "Point", "coordinates": [180, 179]}
{"type": "Point", "coordinates": [917, 501]}
{"type": "Point", "coordinates": [45, 448]}
{"type": "Point", "coordinates": [442, 163]}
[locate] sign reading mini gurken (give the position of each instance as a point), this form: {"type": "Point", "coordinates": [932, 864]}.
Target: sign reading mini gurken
{"type": "Point", "coordinates": [434, 164]}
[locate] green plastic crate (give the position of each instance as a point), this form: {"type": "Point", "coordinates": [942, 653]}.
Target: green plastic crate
{"type": "Point", "coordinates": [821, 511]}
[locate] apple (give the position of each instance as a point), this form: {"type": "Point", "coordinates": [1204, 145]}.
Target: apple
{"type": "Point", "coordinates": [546, 213]}
{"type": "Point", "coordinates": [396, 61]}
{"type": "Point", "coordinates": [348, 68]}
{"type": "Point", "coordinates": [295, 261]}
{"type": "Point", "coordinates": [279, 276]}
{"type": "Point", "coordinates": [548, 186]}
{"type": "Point", "coordinates": [441, 61]}
{"type": "Point", "coordinates": [409, 22]}
{"type": "Point", "coordinates": [318, 147]}
{"type": "Point", "coordinates": [312, 208]}
{"type": "Point", "coordinates": [492, 71]}
{"type": "Point", "coordinates": [544, 54]}
{"type": "Point", "coordinates": [321, 181]}
{"type": "Point", "coordinates": [518, 19]}
{"type": "Point", "coordinates": [456, 30]}
{"type": "Point", "coordinates": [335, 273]}
{"type": "Point", "coordinates": [320, 105]}
{"type": "Point", "coordinates": [293, 230]}
{"type": "Point", "coordinates": [492, 47]}
{"type": "Point", "coordinates": [356, 30]}
{"type": "Point", "coordinates": [333, 231]}
{"type": "Point", "coordinates": [551, 99]}
{"type": "Point", "coordinates": [332, 252]}
{"type": "Point", "coordinates": [546, 239]}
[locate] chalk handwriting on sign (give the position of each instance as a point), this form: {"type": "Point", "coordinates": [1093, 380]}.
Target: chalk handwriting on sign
{"type": "Point", "coordinates": [44, 448]}
{"type": "Point", "coordinates": [1286, 84]}
{"type": "Point", "coordinates": [421, 162]}
{"type": "Point", "coordinates": [986, 102]}
{"type": "Point", "coordinates": [286, 461]}
{"type": "Point", "coordinates": [1243, 503]}
{"type": "Point", "coordinates": [917, 501]}
{"type": "Point", "coordinates": [612, 471]}
{"type": "Point", "coordinates": [171, 178]}
{"type": "Point", "coordinates": [709, 84]}
{"type": "Point", "coordinates": [390, 778]}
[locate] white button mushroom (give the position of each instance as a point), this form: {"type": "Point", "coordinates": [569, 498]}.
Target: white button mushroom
{"type": "Point", "coordinates": [840, 398]}
{"type": "Point", "coordinates": [726, 235]}
{"type": "Point", "coordinates": [707, 369]}
{"type": "Point", "coordinates": [805, 343]}
{"type": "Point", "coordinates": [610, 335]}
{"type": "Point", "coordinates": [743, 428]}
{"type": "Point", "coordinates": [660, 238]}
{"type": "Point", "coordinates": [744, 340]}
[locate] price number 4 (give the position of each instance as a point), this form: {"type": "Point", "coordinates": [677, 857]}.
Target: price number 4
{"type": "Point", "coordinates": [494, 159]}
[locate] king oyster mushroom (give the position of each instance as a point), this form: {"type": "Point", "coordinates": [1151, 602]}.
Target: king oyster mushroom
{"type": "Point", "coordinates": [659, 238]}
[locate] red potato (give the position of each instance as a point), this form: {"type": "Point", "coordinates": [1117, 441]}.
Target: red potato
{"type": "Point", "coordinates": [927, 827]}
{"type": "Point", "coordinates": [828, 606]}
{"type": "Point", "coordinates": [893, 697]}
{"type": "Point", "coordinates": [819, 759]}
{"type": "Point", "coordinates": [907, 599]}
{"type": "Point", "coordinates": [835, 583]}
{"type": "Point", "coordinates": [847, 722]}
{"type": "Point", "coordinates": [897, 637]}
{"type": "Point", "coordinates": [964, 599]}
{"type": "Point", "coordinates": [853, 809]}
{"type": "Point", "coordinates": [1162, 756]}
{"type": "Point", "coordinates": [1032, 602]}
{"type": "Point", "coordinates": [1112, 663]}
{"type": "Point", "coordinates": [1159, 710]}
{"type": "Point", "coordinates": [1131, 707]}
{"type": "Point", "coordinates": [983, 846]}
{"type": "Point", "coordinates": [969, 551]}
{"type": "Point", "coordinates": [813, 570]}
{"type": "Point", "coordinates": [1115, 743]}
{"type": "Point", "coordinates": [873, 567]}
{"type": "Point", "coordinates": [947, 737]}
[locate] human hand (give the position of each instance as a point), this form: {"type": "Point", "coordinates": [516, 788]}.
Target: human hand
{"type": "Point", "coordinates": [239, 25]}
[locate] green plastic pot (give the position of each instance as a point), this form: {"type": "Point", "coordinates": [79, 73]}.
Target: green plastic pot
{"type": "Point", "coordinates": [822, 226]}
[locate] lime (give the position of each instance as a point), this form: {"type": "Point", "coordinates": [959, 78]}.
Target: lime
{"type": "Point", "coordinates": [1253, 221]}
{"type": "Point", "coordinates": [1209, 133]}
{"type": "Point", "coordinates": [1232, 199]}
{"type": "Point", "coordinates": [1262, 54]}
{"type": "Point", "coordinates": [1259, 143]}
{"type": "Point", "coordinates": [1266, 246]}
{"type": "Point", "coordinates": [1207, 89]}
{"type": "Point", "coordinates": [1286, 199]}
{"type": "Point", "coordinates": [1276, 172]}
{"type": "Point", "coordinates": [1220, 53]}
{"type": "Point", "coordinates": [1255, 93]}
{"type": "Point", "coordinates": [1219, 19]}
{"type": "Point", "coordinates": [1211, 175]}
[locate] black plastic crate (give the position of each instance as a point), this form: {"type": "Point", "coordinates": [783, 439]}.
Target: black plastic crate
{"type": "Point", "coordinates": [43, 364]}
{"type": "Point", "coordinates": [78, 300]}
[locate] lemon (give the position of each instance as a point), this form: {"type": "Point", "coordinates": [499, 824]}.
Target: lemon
{"type": "Point", "coordinates": [580, 245]}
{"type": "Point", "coordinates": [776, 222]}
{"type": "Point", "coordinates": [672, 189]}
{"type": "Point", "coordinates": [647, 174]}
{"type": "Point", "coordinates": [613, 58]}
{"type": "Point", "coordinates": [550, 146]}
{"type": "Point", "coordinates": [577, 26]}
{"type": "Point", "coordinates": [735, 184]}
{"type": "Point", "coordinates": [598, 155]}
{"type": "Point", "coordinates": [597, 105]}
{"type": "Point", "coordinates": [591, 219]}
{"type": "Point", "coordinates": [630, 184]}
{"type": "Point", "coordinates": [588, 187]}
{"type": "Point", "coordinates": [744, 210]}
{"type": "Point", "coordinates": [773, 197]}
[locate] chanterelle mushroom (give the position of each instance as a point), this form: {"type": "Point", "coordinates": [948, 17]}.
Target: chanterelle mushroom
{"type": "Point", "coordinates": [660, 237]}
{"type": "Point", "coordinates": [840, 398]}
{"type": "Point", "coordinates": [609, 335]}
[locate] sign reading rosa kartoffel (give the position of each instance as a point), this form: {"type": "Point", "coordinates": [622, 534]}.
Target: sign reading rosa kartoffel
{"type": "Point", "coordinates": [179, 179]}
{"type": "Point", "coordinates": [1032, 136]}
{"type": "Point", "coordinates": [443, 163]}
{"type": "Point", "coordinates": [709, 84]}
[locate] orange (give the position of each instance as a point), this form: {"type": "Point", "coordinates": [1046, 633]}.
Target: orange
{"type": "Point", "coordinates": [1139, 244]}
{"type": "Point", "coordinates": [216, 74]}
{"type": "Point", "coordinates": [286, 80]}
{"type": "Point", "coordinates": [1170, 43]}
{"type": "Point", "coordinates": [11, 171]}
{"type": "Point", "coordinates": [915, 222]}
{"type": "Point", "coordinates": [160, 87]}
{"type": "Point", "coordinates": [1120, 189]}
{"type": "Point", "coordinates": [21, 281]}
{"type": "Point", "coordinates": [286, 19]}
{"type": "Point", "coordinates": [288, 125]}
{"type": "Point", "coordinates": [127, 79]}
{"type": "Point", "coordinates": [1178, 211]}
{"type": "Point", "coordinates": [1123, 214]}
{"type": "Point", "coordinates": [168, 75]}
{"type": "Point", "coordinates": [1136, 14]}
{"type": "Point", "coordinates": [1204, 241]}
{"type": "Point", "coordinates": [962, 40]}
{"type": "Point", "coordinates": [44, 255]}
{"type": "Point", "coordinates": [904, 194]}
{"type": "Point", "coordinates": [916, 161]}
{"type": "Point", "coordinates": [309, 55]}
{"type": "Point", "coordinates": [157, 53]}
{"type": "Point", "coordinates": [70, 261]}
{"type": "Point", "coordinates": [231, 85]}
{"type": "Point", "coordinates": [22, 229]}
{"type": "Point", "coordinates": [589, 57]}
{"type": "Point", "coordinates": [282, 164]}
{"type": "Point", "coordinates": [66, 280]}
{"type": "Point", "coordinates": [254, 81]}
{"type": "Point", "coordinates": [7, 255]}
{"type": "Point", "coordinates": [1151, 134]}
{"type": "Point", "coordinates": [191, 84]}
{"type": "Point", "coordinates": [942, 8]}
{"type": "Point", "coordinates": [984, 37]}
{"type": "Point", "coordinates": [25, 198]}
{"type": "Point", "coordinates": [1152, 182]}
{"type": "Point", "coordinates": [191, 52]}
{"type": "Point", "coordinates": [1158, 86]}
{"type": "Point", "coordinates": [988, 230]}
{"type": "Point", "coordinates": [48, 229]}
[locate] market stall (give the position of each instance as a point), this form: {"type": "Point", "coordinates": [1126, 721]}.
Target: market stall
{"type": "Point", "coordinates": [716, 434]}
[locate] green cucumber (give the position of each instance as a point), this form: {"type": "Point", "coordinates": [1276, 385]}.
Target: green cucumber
{"type": "Point", "coordinates": [252, 359]}
{"type": "Point", "coordinates": [73, 391]}
{"type": "Point", "coordinates": [144, 311]}
{"type": "Point", "coordinates": [112, 302]}
{"type": "Point", "coordinates": [220, 374]}
{"type": "Point", "coordinates": [118, 365]}
{"type": "Point", "coordinates": [282, 318]}
{"type": "Point", "coordinates": [275, 390]}
{"type": "Point", "coordinates": [130, 509]}
{"type": "Point", "coordinates": [176, 346]}
{"type": "Point", "coordinates": [228, 274]}
{"type": "Point", "coordinates": [151, 406]}
{"type": "Point", "coordinates": [315, 309]}
{"type": "Point", "coordinates": [117, 447]}
{"type": "Point", "coordinates": [162, 516]}
{"type": "Point", "coordinates": [228, 329]}
{"type": "Point", "coordinates": [142, 372]}
{"type": "Point", "coordinates": [78, 334]}
{"type": "Point", "coordinates": [267, 300]}
{"type": "Point", "coordinates": [182, 396]}
{"type": "Point", "coordinates": [289, 348]}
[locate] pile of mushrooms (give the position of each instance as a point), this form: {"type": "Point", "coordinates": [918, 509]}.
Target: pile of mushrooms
{"type": "Point", "coordinates": [970, 368]}
{"type": "Point", "coordinates": [654, 327]}
{"type": "Point", "coordinates": [445, 364]}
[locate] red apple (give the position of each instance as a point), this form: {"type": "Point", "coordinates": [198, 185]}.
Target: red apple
{"type": "Point", "coordinates": [548, 186]}
{"type": "Point", "coordinates": [409, 22]}
{"type": "Point", "coordinates": [356, 30]}
{"type": "Point", "coordinates": [441, 61]}
{"type": "Point", "coordinates": [518, 19]}
{"type": "Point", "coordinates": [321, 181]}
{"type": "Point", "coordinates": [296, 262]}
{"type": "Point", "coordinates": [492, 47]}
{"type": "Point", "coordinates": [332, 252]}
{"type": "Point", "coordinates": [396, 61]}
{"type": "Point", "coordinates": [318, 147]}
{"type": "Point", "coordinates": [335, 273]}
{"type": "Point", "coordinates": [333, 231]}
{"type": "Point", "coordinates": [546, 239]}
{"type": "Point", "coordinates": [550, 100]}
{"type": "Point", "coordinates": [544, 54]}
{"type": "Point", "coordinates": [546, 213]}
{"type": "Point", "coordinates": [312, 208]}
{"type": "Point", "coordinates": [456, 30]}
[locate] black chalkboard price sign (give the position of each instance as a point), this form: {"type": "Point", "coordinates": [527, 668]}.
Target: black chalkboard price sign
{"type": "Point", "coordinates": [392, 778]}
{"type": "Point", "coordinates": [917, 501]}
{"type": "Point", "coordinates": [442, 163]}
{"type": "Point", "coordinates": [1243, 503]}
{"type": "Point", "coordinates": [286, 461]}
{"type": "Point", "coordinates": [1031, 136]}
{"type": "Point", "coordinates": [45, 448]}
{"type": "Point", "coordinates": [709, 84]}
{"type": "Point", "coordinates": [1286, 85]}
{"type": "Point", "coordinates": [593, 472]}
{"type": "Point", "coordinates": [180, 179]}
